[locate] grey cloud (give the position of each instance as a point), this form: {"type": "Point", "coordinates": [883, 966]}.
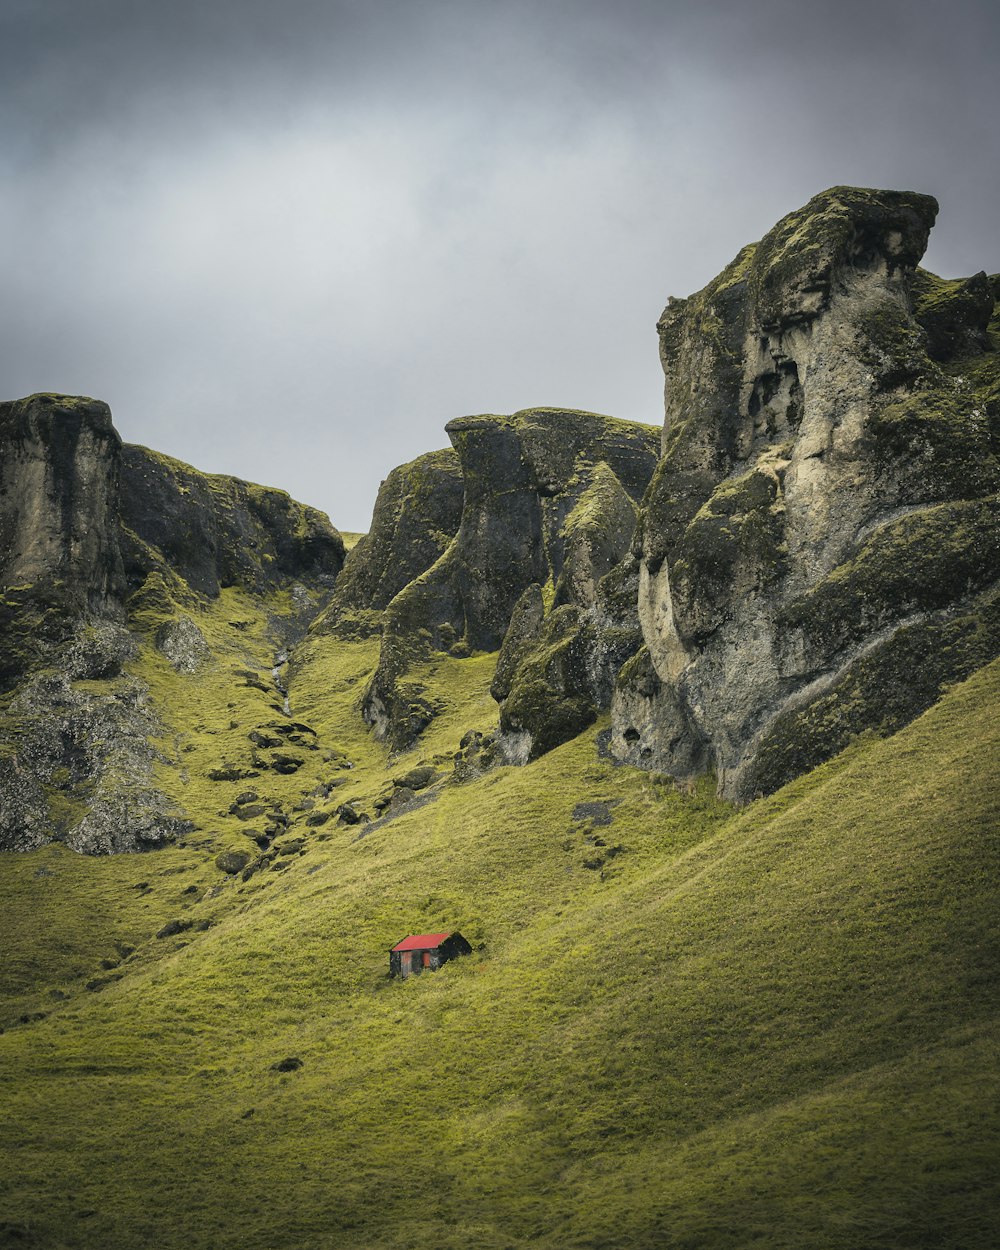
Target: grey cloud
{"type": "Point", "coordinates": [292, 241]}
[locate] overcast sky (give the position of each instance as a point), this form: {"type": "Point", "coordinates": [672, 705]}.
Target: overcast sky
{"type": "Point", "coordinates": [291, 240]}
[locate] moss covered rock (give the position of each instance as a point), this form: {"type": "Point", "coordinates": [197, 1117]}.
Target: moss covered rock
{"type": "Point", "coordinates": [113, 559]}
{"type": "Point", "coordinates": [524, 477]}
{"type": "Point", "coordinates": [825, 484]}
{"type": "Point", "coordinates": [417, 514]}
{"type": "Point", "coordinates": [216, 531]}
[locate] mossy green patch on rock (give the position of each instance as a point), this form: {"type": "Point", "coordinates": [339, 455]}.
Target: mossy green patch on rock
{"type": "Point", "coordinates": [935, 443]}
{"type": "Point", "coordinates": [795, 263]}
{"type": "Point", "coordinates": [416, 515]}
{"type": "Point", "coordinates": [733, 547]}
{"type": "Point", "coordinates": [549, 700]}
{"type": "Point", "coordinates": [892, 682]}
{"type": "Point", "coordinates": [596, 537]}
{"type": "Point", "coordinates": [921, 562]}
{"type": "Point", "coordinates": [955, 313]}
{"type": "Point", "coordinates": [217, 531]}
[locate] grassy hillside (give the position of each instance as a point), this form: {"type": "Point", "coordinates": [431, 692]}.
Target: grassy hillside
{"type": "Point", "coordinates": [689, 1027]}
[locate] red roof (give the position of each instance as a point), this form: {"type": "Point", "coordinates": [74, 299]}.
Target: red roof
{"type": "Point", "coordinates": [422, 942]}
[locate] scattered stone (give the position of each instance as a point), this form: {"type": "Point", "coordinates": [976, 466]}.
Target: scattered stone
{"type": "Point", "coordinates": [315, 819]}
{"type": "Point", "coordinates": [294, 846]}
{"type": "Point", "coordinates": [598, 813]}
{"type": "Point", "coordinates": [601, 857]}
{"type": "Point", "coordinates": [173, 927]}
{"type": "Point", "coordinates": [251, 812]}
{"type": "Point", "coordinates": [232, 862]}
{"type": "Point", "coordinates": [348, 813]}
{"type": "Point", "coordinates": [286, 764]}
{"type": "Point", "coordinates": [231, 772]}
{"type": "Point", "coordinates": [416, 779]}
{"type": "Point", "coordinates": [252, 680]}
{"type": "Point", "coordinates": [291, 1064]}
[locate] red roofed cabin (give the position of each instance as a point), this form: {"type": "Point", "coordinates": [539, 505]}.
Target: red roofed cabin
{"type": "Point", "coordinates": [425, 950]}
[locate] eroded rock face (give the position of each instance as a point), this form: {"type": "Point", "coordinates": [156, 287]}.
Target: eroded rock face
{"type": "Point", "coordinates": [60, 461]}
{"type": "Point", "coordinates": [824, 508]}
{"type": "Point", "coordinates": [213, 531]}
{"type": "Point", "coordinates": [416, 516]}
{"type": "Point", "coordinates": [524, 477]}
{"type": "Point", "coordinates": [100, 543]}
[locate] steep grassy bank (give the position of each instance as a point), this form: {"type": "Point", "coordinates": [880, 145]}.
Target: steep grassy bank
{"type": "Point", "coordinates": [686, 1028]}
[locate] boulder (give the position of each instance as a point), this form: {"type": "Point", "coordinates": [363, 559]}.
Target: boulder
{"type": "Point", "coordinates": [232, 862]}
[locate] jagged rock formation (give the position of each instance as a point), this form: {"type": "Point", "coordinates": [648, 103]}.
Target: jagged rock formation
{"type": "Point", "coordinates": [556, 671]}
{"type": "Point", "coordinates": [417, 514]}
{"type": "Point", "coordinates": [820, 544]}
{"type": "Point", "coordinates": [97, 541]}
{"type": "Point", "coordinates": [546, 493]}
{"type": "Point", "coordinates": [811, 550]}
{"type": "Point", "coordinates": [211, 530]}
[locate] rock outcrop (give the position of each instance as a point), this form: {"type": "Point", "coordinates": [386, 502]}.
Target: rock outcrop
{"type": "Point", "coordinates": [211, 530]}
{"type": "Point", "coordinates": [416, 516]}
{"type": "Point", "coordinates": [810, 550]}
{"type": "Point", "coordinates": [820, 545]}
{"type": "Point", "coordinates": [98, 542]}
{"type": "Point", "coordinates": [60, 559]}
{"type": "Point", "coordinates": [545, 492]}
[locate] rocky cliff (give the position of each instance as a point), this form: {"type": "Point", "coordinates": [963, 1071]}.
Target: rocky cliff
{"type": "Point", "coordinates": [548, 510]}
{"type": "Point", "coordinates": [820, 545]}
{"type": "Point", "coordinates": [809, 550]}
{"type": "Point", "coordinates": [417, 514]}
{"type": "Point", "coordinates": [60, 558]}
{"type": "Point", "coordinates": [107, 549]}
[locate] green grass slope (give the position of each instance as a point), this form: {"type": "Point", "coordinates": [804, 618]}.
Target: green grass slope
{"type": "Point", "coordinates": [690, 1028]}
